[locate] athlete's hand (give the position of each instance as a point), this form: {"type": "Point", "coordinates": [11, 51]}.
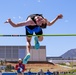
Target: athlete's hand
{"type": "Point", "coordinates": [60, 16]}
{"type": "Point", "coordinates": [7, 21]}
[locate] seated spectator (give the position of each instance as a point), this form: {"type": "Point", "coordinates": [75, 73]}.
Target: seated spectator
{"type": "Point", "coordinates": [48, 72]}
{"type": "Point", "coordinates": [20, 67]}
{"type": "Point", "coordinates": [29, 72]}
{"type": "Point", "coordinates": [41, 72]}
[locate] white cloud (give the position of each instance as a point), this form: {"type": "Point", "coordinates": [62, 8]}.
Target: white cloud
{"type": "Point", "coordinates": [14, 17]}
{"type": "Point", "coordinates": [66, 21]}
{"type": "Point", "coordinates": [20, 17]}
{"type": "Point", "coordinates": [38, 0]}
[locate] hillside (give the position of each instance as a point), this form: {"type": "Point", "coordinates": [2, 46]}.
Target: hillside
{"type": "Point", "coordinates": [69, 54]}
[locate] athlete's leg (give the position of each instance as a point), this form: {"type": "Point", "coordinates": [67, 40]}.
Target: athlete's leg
{"type": "Point", "coordinates": [38, 38]}
{"type": "Point", "coordinates": [28, 44]}
{"type": "Point", "coordinates": [27, 57]}
{"type": "Point", "coordinates": [28, 38]}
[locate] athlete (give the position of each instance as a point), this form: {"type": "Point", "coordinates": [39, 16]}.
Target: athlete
{"type": "Point", "coordinates": [34, 24]}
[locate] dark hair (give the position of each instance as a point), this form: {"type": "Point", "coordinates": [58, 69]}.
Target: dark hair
{"type": "Point", "coordinates": [43, 25]}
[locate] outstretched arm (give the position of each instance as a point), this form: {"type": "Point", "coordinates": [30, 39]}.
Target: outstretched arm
{"type": "Point", "coordinates": [53, 21]}
{"type": "Point", "coordinates": [25, 23]}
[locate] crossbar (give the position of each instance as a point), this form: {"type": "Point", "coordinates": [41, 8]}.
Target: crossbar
{"type": "Point", "coordinates": [15, 35]}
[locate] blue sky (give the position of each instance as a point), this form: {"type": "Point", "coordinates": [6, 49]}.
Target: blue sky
{"type": "Point", "coordinates": [18, 10]}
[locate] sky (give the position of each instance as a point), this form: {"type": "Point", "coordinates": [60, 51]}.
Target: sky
{"type": "Point", "coordinates": [18, 10]}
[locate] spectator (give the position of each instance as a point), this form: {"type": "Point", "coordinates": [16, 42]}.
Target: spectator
{"type": "Point", "coordinates": [48, 72]}
{"type": "Point", "coordinates": [41, 72]}
{"type": "Point", "coordinates": [29, 72]}
{"type": "Point", "coordinates": [20, 67]}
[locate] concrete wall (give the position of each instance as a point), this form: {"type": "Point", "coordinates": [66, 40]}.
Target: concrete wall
{"type": "Point", "coordinates": [61, 61]}
{"type": "Point", "coordinates": [13, 53]}
{"type": "Point", "coordinates": [38, 55]}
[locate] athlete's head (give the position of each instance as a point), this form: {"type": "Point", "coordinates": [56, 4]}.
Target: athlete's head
{"type": "Point", "coordinates": [41, 21]}
{"type": "Point", "coordinates": [20, 60]}
{"type": "Point", "coordinates": [38, 18]}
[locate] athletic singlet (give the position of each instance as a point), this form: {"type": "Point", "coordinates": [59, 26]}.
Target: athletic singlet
{"type": "Point", "coordinates": [32, 29]}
